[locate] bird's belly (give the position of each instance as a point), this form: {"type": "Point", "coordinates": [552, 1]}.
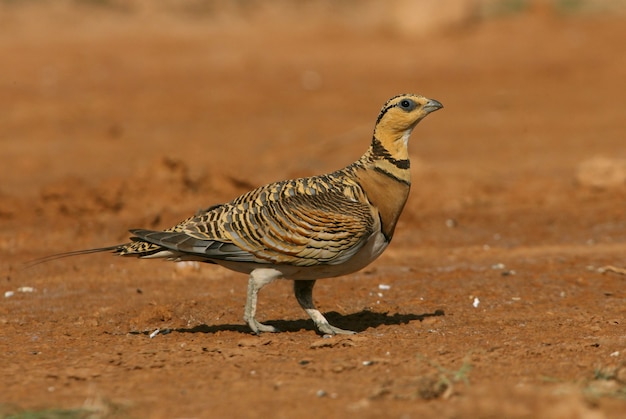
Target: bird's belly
{"type": "Point", "coordinates": [376, 244]}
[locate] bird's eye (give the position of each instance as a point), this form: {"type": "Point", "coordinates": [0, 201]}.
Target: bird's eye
{"type": "Point", "coordinates": [407, 105]}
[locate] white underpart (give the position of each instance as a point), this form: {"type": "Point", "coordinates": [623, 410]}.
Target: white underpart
{"type": "Point", "coordinates": [406, 135]}
{"type": "Point", "coordinates": [375, 245]}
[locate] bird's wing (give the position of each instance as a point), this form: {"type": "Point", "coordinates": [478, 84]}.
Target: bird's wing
{"type": "Point", "coordinates": [301, 223]}
{"type": "Point", "coordinates": [151, 243]}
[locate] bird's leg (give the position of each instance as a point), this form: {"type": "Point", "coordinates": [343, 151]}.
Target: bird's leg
{"type": "Point", "coordinates": [258, 279]}
{"type": "Point", "coordinates": [304, 294]}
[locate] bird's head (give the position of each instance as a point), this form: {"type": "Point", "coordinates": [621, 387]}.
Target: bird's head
{"type": "Point", "coordinates": [399, 116]}
{"type": "Point", "coordinates": [396, 121]}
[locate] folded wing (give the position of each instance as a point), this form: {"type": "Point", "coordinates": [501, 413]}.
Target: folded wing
{"type": "Point", "coordinates": [301, 223]}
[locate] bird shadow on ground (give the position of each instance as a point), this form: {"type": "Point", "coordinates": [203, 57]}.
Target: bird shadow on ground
{"type": "Point", "coordinates": [357, 322]}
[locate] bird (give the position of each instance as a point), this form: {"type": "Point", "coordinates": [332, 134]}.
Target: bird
{"type": "Point", "coordinates": [301, 229]}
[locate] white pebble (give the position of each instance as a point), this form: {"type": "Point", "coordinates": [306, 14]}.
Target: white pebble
{"type": "Point", "coordinates": [156, 332]}
{"type": "Point", "coordinates": [616, 353]}
{"type": "Point", "coordinates": [384, 287]}
{"type": "Point", "coordinates": [476, 302]}
{"type": "Point", "coordinates": [25, 289]}
{"type": "Point", "coordinates": [8, 294]}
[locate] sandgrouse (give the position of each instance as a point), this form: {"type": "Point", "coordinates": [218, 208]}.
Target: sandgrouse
{"type": "Point", "coordinates": [301, 229]}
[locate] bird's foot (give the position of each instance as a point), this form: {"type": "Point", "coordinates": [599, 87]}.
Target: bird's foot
{"type": "Point", "coordinates": [327, 329]}
{"type": "Point", "coordinates": [258, 328]}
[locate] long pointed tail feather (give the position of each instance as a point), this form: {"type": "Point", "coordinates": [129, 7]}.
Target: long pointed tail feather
{"type": "Point", "coordinates": [116, 249]}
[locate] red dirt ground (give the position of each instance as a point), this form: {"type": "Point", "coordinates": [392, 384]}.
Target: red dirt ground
{"type": "Point", "coordinates": [496, 306]}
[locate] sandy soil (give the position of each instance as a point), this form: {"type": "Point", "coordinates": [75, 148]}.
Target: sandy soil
{"type": "Point", "coordinates": [493, 302]}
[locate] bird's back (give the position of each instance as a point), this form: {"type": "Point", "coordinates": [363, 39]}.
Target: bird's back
{"type": "Point", "coordinates": [303, 222]}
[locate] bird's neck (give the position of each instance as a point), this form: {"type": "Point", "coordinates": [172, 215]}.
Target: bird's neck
{"type": "Point", "coordinates": [389, 155]}
{"type": "Point", "coordinates": [385, 177]}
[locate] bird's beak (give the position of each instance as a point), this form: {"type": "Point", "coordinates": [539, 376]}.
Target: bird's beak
{"type": "Point", "coordinates": [432, 105]}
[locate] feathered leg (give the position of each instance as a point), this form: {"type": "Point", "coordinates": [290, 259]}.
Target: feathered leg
{"type": "Point", "coordinates": [304, 294]}
{"type": "Point", "coordinates": [258, 279]}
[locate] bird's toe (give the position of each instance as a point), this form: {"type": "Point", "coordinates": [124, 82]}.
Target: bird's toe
{"type": "Point", "coordinates": [327, 329]}
{"type": "Point", "coordinates": [258, 328]}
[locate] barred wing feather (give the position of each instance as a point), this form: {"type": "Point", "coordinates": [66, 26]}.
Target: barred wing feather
{"type": "Point", "coordinates": [299, 229]}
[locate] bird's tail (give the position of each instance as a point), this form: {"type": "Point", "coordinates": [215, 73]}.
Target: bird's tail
{"type": "Point", "coordinates": [137, 247]}
{"type": "Point", "coordinates": [115, 249]}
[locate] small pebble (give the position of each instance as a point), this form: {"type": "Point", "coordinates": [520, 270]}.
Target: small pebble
{"type": "Point", "coordinates": [451, 223]}
{"type": "Point", "coordinates": [476, 302]}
